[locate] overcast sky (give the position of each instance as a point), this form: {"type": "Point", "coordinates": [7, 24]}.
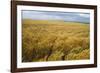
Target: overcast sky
{"type": "Point", "coordinates": [50, 15]}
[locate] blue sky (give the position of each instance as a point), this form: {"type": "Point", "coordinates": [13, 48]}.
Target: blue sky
{"type": "Point", "coordinates": [51, 15]}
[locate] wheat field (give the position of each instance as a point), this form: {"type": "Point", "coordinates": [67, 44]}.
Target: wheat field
{"type": "Point", "coordinates": [51, 40]}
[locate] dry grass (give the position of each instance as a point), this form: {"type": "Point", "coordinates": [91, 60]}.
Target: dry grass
{"type": "Point", "coordinates": [54, 40]}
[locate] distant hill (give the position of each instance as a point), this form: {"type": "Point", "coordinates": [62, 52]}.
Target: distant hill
{"type": "Point", "coordinates": [30, 21]}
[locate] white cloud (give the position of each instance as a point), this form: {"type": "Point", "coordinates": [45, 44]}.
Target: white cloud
{"type": "Point", "coordinates": [84, 15]}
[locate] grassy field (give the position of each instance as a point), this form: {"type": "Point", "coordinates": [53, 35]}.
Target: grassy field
{"type": "Point", "coordinates": [48, 40]}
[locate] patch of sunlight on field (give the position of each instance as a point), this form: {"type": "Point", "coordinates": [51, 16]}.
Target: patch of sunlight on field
{"type": "Point", "coordinates": [44, 40]}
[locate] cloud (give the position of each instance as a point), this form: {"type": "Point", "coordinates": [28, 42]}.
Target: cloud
{"type": "Point", "coordinates": [84, 15]}
{"type": "Point", "coordinates": [50, 15]}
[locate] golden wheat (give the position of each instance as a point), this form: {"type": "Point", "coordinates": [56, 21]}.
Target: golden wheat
{"type": "Point", "coordinates": [44, 40]}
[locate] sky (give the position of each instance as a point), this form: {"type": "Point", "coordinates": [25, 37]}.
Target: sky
{"type": "Point", "coordinates": [53, 15]}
